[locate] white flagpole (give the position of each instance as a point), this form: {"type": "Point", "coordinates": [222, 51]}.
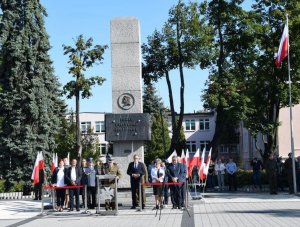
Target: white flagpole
{"type": "Point", "coordinates": [291, 112]}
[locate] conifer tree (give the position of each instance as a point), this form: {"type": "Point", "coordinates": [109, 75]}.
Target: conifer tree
{"type": "Point", "coordinates": [30, 97]}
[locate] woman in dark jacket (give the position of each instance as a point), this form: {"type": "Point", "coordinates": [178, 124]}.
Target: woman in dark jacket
{"type": "Point", "coordinates": [58, 180]}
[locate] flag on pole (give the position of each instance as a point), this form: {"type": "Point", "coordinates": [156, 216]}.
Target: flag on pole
{"type": "Point", "coordinates": [207, 163]}
{"type": "Point", "coordinates": [283, 47]}
{"type": "Point", "coordinates": [182, 158]}
{"type": "Point", "coordinates": [54, 162]}
{"type": "Point", "coordinates": [170, 157]}
{"type": "Point", "coordinates": [68, 158]}
{"type": "Point", "coordinates": [38, 165]}
{"type": "Point", "coordinates": [187, 161]}
{"type": "Point", "coordinates": [194, 161]}
{"type": "Point", "coordinates": [202, 166]}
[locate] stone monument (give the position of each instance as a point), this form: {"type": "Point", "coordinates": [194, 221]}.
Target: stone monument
{"type": "Point", "coordinates": [127, 127]}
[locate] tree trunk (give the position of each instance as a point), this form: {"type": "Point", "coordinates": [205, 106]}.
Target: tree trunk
{"type": "Point", "coordinates": [78, 132]}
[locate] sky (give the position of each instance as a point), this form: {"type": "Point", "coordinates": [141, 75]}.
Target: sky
{"type": "Point", "coordinates": [67, 19]}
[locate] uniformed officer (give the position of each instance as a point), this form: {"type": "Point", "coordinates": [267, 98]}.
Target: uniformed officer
{"type": "Point", "coordinates": [90, 175]}
{"type": "Point", "coordinates": [113, 169]}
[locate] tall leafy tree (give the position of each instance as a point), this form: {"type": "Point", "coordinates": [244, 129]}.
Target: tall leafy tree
{"type": "Point", "coordinates": [271, 87]}
{"type": "Point", "coordinates": [227, 69]}
{"type": "Point", "coordinates": [243, 83]}
{"type": "Point", "coordinates": [182, 43]}
{"type": "Point", "coordinates": [82, 57]}
{"type": "Point", "coordinates": [30, 97]}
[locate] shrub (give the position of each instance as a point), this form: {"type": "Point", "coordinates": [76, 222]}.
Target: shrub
{"type": "Point", "coordinates": [2, 186]}
{"type": "Point", "coordinates": [17, 186]}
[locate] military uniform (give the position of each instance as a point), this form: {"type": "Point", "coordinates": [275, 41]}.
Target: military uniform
{"type": "Point", "coordinates": [112, 170]}
{"type": "Point", "coordinates": [271, 169]}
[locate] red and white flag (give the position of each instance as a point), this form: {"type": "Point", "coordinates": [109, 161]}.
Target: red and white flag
{"type": "Point", "coordinates": [194, 161]}
{"type": "Point", "coordinates": [202, 166]}
{"type": "Point", "coordinates": [182, 158]}
{"type": "Point", "coordinates": [283, 47]}
{"type": "Point", "coordinates": [54, 162]}
{"type": "Point", "coordinates": [170, 157]}
{"type": "Point", "coordinates": [187, 161]}
{"type": "Point", "coordinates": [207, 163]}
{"type": "Point", "coordinates": [39, 165]}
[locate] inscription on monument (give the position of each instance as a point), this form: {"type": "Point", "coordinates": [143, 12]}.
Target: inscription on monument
{"type": "Point", "coordinates": [135, 126]}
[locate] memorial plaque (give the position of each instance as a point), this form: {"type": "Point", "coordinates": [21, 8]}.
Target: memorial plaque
{"type": "Point", "coordinates": [127, 127]}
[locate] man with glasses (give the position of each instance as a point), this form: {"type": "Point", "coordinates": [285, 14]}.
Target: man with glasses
{"type": "Point", "coordinates": [136, 171]}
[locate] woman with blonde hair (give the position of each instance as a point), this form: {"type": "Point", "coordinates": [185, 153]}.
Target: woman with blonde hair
{"type": "Point", "coordinates": [158, 175]}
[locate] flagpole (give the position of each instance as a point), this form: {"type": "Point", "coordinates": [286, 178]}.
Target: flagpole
{"type": "Point", "coordinates": [291, 112]}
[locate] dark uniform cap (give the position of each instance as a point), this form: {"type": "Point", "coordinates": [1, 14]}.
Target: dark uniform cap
{"type": "Point", "coordinates": [90, 160]}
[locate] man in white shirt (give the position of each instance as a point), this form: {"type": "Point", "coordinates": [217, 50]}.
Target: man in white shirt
{"type": "Point", "coordinates": [73, 178]}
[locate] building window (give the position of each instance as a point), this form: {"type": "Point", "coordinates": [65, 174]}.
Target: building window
{"type": "Point", "coordinates": [100, 126]}
{"type": "Point", "coordinates": [103, 148]}
{"type": "Point", "coordinates": [191, 146]}
{"type": "Point", "coordinates": [85, 126]}
{"type": "Point", "coordinates": [190, 125]}
{"type": "Point", "coordinates": [204, 144]}
{"type": "Point", "coordinates": [204, 124]}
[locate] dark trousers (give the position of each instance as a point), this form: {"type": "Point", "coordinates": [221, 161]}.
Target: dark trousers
{"type": "Point", "coordinates": [74, 192]}
{"type": "Point", "coordinates": [176, 195]}
{"type": "Point", "coordinates": [272, 182]}
{"type": "Point", "coordinates": [290, 182]}
{"type": "Point", "coordinates": [166, 194]}
{"type": "Point", "coordinates": [256, 179]}
{"type": "Point", "coordinates": [60, 197]}
{"type": "Point", "coordinates": [135, 194]}
{"type": "Point", "coordinates": [91, 194]}
{"type": "Point", "coordinates": [232, 182]}
{"type": "Point", "coordinates": [38, 191]}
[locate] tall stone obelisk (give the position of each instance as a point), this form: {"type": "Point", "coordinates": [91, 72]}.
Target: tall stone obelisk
{"type": "Point", "coordinates": [126, 85]}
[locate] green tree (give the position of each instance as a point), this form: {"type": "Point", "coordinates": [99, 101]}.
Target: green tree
{"type": "Point", "coordinates": [183, 42]}
{"type": "Point", "coordinates": [152, 103]}
{"type": "Point", "coordinates": [30, 97]}
{"type": "Point", "coordinates": [226, 82]}
{"type": "Point", "coordinates": [82, 57]}
{"type": "Point", "coordinates": [159, 138]}
{"type": "Point", "coordinates": [243, 83]}
{"type": "Point", "coordinates": [66, 137]}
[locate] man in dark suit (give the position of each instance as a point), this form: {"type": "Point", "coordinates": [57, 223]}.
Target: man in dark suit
{"type": "Point", "coordinates": [136, 171]}
{"type": "Point", "coordinates": [176, 173]}
{"type": "Point", "coordinates": [73, 178]}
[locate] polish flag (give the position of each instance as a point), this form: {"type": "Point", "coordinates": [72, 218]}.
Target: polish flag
{"type": "Point", "coordinates": [39, 165]}
{"type": "Point", "coordinates": [202, 166]}
{"type": "Point", "coordinates": [283, 47]}
{"type": "Point", "coordinates": [194, 161]}
{"type": "Point", "coordinates": [207, 163]}
{"type": "Point", "coordinates": [187, 161]}
{"type": "Point", "coordinates": [182, 158]}
{"type": "Point", "coordinates": [170, 157]}
{"type": "Point", "coordinates": [54, 162]}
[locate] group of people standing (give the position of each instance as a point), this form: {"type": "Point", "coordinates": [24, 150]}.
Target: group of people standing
{"type": "Point", "coordinates": [160, 174]}
{"type": "Point", "coordinates": [77, 176]}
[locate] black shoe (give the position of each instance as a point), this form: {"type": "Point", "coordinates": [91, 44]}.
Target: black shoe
{"type": "Point", "coordinates": [71, 209]}
{"type": "Point", "coordinates": [143, 206]}
{"type": "Point", "coordinates": [174, 207]}
{"type": "Point", "coordinates": [133, 207]}
{"type": "Point", "coordinates": [156, 207]}
{"type": "Point", "coordinates": [35, 199]}
{"type": "Point", "coordinates": [179, 208]}
{"type": "Point", "coordinates": [78, 209]}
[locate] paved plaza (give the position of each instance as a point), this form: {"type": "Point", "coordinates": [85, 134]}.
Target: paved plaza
{"type": "Point", "coordinates": [215, 209]}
